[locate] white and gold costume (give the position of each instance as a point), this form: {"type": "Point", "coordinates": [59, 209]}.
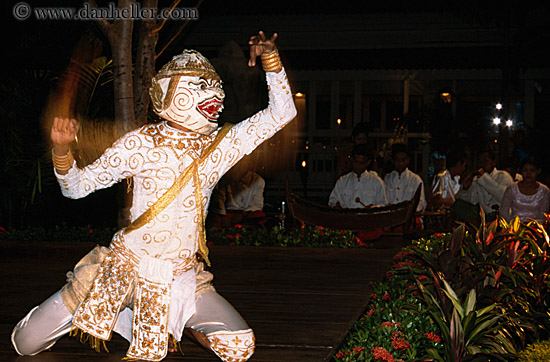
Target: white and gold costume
{"type": "Point", "coordinates": [151, 281]}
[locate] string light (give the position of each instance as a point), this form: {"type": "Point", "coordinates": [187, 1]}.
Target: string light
{"type": "Point", "coordinates": [496, 121]}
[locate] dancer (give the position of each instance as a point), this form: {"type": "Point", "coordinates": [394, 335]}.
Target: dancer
{"type": "Point", "coordinates": [151, 281]}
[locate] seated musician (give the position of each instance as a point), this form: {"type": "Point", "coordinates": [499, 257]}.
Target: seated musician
{"type": "Point", "coordinates": [401, 184]}
{"type": "Point", "coordinates": [239, 202]}
{"type": "Point", "coordinates": [446, 184]}
{"type": "Point", "coordinates": [359, 188]}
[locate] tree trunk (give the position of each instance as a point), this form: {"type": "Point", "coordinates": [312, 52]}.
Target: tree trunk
{"type": "Point", "coordinates": [145, 63]}
{"type": "Point", "coordinates": [119, 34]}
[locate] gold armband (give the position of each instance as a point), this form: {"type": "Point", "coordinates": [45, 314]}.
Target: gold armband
{"type": "Point", "coordinates": [62, 163]}
{"type": "Point", "coordinates": [271, 62]}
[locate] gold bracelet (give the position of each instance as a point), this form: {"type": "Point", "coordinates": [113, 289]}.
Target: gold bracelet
{"type": "Point", "coordinates": [271, 62]}
{"type": "Point", "coordinates": [62, 163]}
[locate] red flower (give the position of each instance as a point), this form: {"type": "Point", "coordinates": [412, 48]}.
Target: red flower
{"type": "Point", "coordinates": [90, 231]}
{"type": "Point", "coordinates": [373, 296]}
{"type": "Point", "coordinates": [229, 236]}
{"type": "Point", "coordinates": [381, 354]}
{"type": "Point", "coordinates": [370, 312]}
{"type": "Point", "coordinates": [238, 226]}
{"type": "Point", "coordinates": [402, 254]}
{"type": "Point", "coordinates": [209, 243]}
{"type": "Point", "coordinates": [390, 324]}
{"type": "Point", "coordinates": [2, 229]}
{"type": "Point", "coordinates": [386, 296]}
{"type": "Point", "coordinates": [433, 337]}
{"type": "Point", "coordinates": [403, 264]}
{"type": "Point", "coordinates": [422, 277]}
{"type": "Point", "coordinates": [238, 236]}
{"type": "Point", "coordinates": [322, 233]}
{"type": "Point", "coordinates": [398, 342]}
{"type": "Point", "coordinates": [319, 228]}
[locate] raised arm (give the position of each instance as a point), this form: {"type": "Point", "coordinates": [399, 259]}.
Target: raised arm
{"type": "Point", "coordinates": [248, 134]}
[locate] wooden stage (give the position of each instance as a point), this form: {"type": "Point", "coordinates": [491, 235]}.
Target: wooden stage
{"type": "Point", "coordinates": [299, 301]}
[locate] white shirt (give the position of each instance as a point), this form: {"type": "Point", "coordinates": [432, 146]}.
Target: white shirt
{"type": "Point", "coordinates": [402, 187]}
{"type": "Point", "coordinates": [487, 190]}
{"type": "Point", "coordinates": [527, 207]}
{"type": "Point", "coordinates": [445, 186]}
{"type": "Point", "coordinates": [247, 194]}
{"type": "Point", "coordinates": [368, 187]}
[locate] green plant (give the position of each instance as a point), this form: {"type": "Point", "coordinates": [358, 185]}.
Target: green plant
{"type": "Point", "coordinates": [308, 236]}
{"type": "Point", "coordinates": [469, 333]}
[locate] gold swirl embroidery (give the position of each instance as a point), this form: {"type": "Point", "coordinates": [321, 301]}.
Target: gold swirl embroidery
{"type": "Point", "coordinates": [96, 317]}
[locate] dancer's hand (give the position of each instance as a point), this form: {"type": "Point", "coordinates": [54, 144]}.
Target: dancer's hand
{"type": "Point", "coordinates": [63, 133]}
{"type": "Point", "coordinates": [260, 44]}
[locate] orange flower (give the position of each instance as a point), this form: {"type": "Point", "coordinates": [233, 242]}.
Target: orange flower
{"type": "Point", "coordinates": [433, 337]}
{"type": "Point", "coordinates": [398, 342]}
{"type": "Point", "coordinates": [382, 354]}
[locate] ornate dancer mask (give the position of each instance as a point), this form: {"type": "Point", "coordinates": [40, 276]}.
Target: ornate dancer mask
{"type": "Point", "coordinates": [188, 91]}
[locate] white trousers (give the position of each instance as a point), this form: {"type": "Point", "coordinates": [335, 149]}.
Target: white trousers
{"type": "Point", "coordinates": [214, 317]}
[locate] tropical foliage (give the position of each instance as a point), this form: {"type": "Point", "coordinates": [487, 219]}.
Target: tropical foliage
{"type": "Point", "coordinates": [485, 292]}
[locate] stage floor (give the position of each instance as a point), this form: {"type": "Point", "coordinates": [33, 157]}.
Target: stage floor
{"type": "Point", "coordinates": [300, 301]}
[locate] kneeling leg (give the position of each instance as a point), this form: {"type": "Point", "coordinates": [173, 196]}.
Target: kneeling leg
{"type": "Point", "coordinates": [42, 326]}
{"type": "Point", "coordinates": [221, 329]}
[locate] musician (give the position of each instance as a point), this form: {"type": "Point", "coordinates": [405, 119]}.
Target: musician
{"type": "Point", "coordinates": [360, 188]}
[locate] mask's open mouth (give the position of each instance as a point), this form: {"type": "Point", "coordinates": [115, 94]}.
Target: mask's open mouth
{"type": "Point", "coordinates": [211, 108]}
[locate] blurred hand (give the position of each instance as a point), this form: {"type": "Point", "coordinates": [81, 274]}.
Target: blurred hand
{"type": "Point", "coordinates": [63, 131]}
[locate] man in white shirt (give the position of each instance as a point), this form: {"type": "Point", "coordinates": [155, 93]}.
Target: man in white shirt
{"type": "Point", "coordinates": [401, 184]}
{"type": "Point", "coordinates": [486, 186]}
{"type": "Point", "coordinates": [240, 201]}
{"type": "Point", "coordinates": [446, 184]}
{"type": "Point", "coordinates": [359, 188]}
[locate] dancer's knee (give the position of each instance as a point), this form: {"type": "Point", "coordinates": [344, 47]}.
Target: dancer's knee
{"type": "Point", "coordinates": [41, 327]}
{"type": "Point", "coordinates": [229, 346]}
{"type": "Point", "coordinates": [22, 338]}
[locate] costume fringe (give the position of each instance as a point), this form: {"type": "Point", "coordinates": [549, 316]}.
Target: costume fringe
{"type": "Point", "coordinates": [97, 344]}
{"type": "Point", "coordinates": [176, 344]}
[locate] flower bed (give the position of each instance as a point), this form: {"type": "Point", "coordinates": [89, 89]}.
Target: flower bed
{"type": "Point", "coordinates": [470, 295]}
{"type": "Point", "coordinates": [308, 236]}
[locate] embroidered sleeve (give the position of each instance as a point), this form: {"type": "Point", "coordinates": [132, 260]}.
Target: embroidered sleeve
{"type": "Point", "coordinates": [123, 159]}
